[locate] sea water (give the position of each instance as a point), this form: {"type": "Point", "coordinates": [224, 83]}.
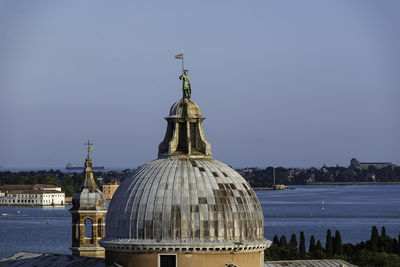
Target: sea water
{"type": "Point", "coordinates": [351, 209]}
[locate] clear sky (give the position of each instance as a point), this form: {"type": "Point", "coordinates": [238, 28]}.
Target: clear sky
{"type": "Point", "coordinates": [281, 83]}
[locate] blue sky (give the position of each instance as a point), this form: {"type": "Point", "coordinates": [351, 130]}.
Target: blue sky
{"type": "Point", "coordinates": [281, 83]}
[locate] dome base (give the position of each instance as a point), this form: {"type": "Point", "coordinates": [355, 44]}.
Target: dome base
{"type": "Point", "coordinates": [150, 246]}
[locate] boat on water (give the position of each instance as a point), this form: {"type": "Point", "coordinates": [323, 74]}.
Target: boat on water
{"type": "Point", "coordinates": [4, 214]}
{"type": "Point", "coordinates": [323, 206]}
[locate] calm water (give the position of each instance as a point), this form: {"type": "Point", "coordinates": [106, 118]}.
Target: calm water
{"type": "Point", "coordinates": [352, 210]}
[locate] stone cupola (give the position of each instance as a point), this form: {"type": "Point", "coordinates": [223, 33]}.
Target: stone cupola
{"type": "Point", "coordinates": [185, 135]}
{"type": "Point", "coordinates": [89, 196]}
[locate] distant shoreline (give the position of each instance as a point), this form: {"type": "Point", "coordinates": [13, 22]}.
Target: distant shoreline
{"type": "Point", "coordinates": [331, 183]}
{"type": "Point", "coordinates": [349, 183]}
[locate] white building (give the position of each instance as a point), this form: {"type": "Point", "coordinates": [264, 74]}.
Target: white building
{"type": "Point", "coordinates": [31, 195]}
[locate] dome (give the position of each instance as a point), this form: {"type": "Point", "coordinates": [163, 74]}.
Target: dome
{"type": "Point", "coordinates": [185, 200]}
{"type": "Point", "coordinates": [88, 197]}
{"type": "Point", "coordinates": [181, 202]}
{"type": "Point", "coordinates": [185, 107]}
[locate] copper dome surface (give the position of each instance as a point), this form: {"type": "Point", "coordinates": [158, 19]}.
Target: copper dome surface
{"type": "Point", "coordinates": [185, 201]}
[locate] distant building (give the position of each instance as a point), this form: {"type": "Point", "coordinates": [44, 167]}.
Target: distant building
{"type": "Point", "coordinates": [356, 165]}
{"type": "Point", "coordinates": [293, 172]}
{"type": "Point", "coordinates": [31, 195]}
{"type": "Point", "coordinates": [109, 189]}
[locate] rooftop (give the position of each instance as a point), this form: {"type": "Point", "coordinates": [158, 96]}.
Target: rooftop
{"type": "Point", "coordinates": [25, 258]}
{"type": "Point", "coordinates": [309, 263]}
{"type": "Point", "coordinates": [29, 191]}
{"type": "Point", "coordinates": [27, 186]}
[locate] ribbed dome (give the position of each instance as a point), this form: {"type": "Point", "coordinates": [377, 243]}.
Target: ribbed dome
{"type": "Point", "coordinates": [185, 107]}
{"type": "Point", "coordinates": [178, 201]}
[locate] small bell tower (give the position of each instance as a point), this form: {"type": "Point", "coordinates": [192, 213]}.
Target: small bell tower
{"type": "Point", "coordinates": [88, 215]}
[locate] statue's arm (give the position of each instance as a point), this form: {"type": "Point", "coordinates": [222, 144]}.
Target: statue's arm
{"type": "Point", "coordinates": [181, 77]}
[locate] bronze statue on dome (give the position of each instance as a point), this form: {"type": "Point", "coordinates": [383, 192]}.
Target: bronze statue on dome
{"type": "Point", "coordinates": [187, 91]}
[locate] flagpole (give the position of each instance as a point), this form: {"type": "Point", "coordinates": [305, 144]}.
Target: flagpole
{"type": "Point", "coordinates": [180, 56]}
{"type": "Point", "coordinates": [182, 64]}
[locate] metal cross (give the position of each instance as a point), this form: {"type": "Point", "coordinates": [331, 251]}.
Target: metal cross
{"type": "Point", "coordinates": [88, 144]}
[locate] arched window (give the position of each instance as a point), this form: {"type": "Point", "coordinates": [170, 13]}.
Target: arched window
{"type": "Point", "coordinates": [88, 228]}
{"type": "Point", "coordinates": [99, 228]}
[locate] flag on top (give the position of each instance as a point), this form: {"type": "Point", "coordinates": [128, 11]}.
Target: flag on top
{"type": "Point", "coordinates": [179, 56]}
{"type": "Point", "coordinates": [91, 149]}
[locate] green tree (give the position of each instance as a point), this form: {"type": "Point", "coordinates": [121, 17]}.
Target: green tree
{"type": "Point", "coordinates": [283, 242]}
{"type": "Point", "coordinates": [337, 246]}
{"type": "Point", "coordinates": [311, 249]}
{"type": "Point", "coordinates": [319, 251]}
{"type": "Point", "coordinates": [395, 246]}
{"type": "Point", "coordinates": [373, 245]}
{"type": "Point", "coordinates": [383, 232]}
{"type": "Point", "coordinates": [293, 241]}
{"type": "Point", "coordinates": [398, 245]}
{"type": "Point", "coordinates": [302, 246]}
{"type": "Point", "coordinates": [328, 244]}
{"type": "Point", "coordinates": [292, 250]}
{"type": "Point", "coordinates": [275, 240]}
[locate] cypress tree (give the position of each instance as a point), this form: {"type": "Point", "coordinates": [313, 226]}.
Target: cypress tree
{"type": "Point", "coordinates": [292, 252]}
{"type": "Point", "coordinates": [283, 242]}
{"type": "Point", "coordinates": [395, 246]}
{"type": "Point", "coordinates": [293, 241]}
{"type": "Point", "coordinates": [319, 251]}
{"type": "Point", "coordinates": [383, 232]}
{"type": "Point", "coordinates": [398, 245]}
{"type": "Point", "coordinates": [276, 240]}
{"type": "Point", "coordinates": [337, 247]}
{"type": "Point", "coordinates": [383, 245]}
{"type": "Point", "coordinates": [374, 239]}
{"type": "Point", "coordinates": [328, 244]}
{"type": "Point", "coordinates": [302, 246]}
{"type": "Point", "coordinates": [311, 249]}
